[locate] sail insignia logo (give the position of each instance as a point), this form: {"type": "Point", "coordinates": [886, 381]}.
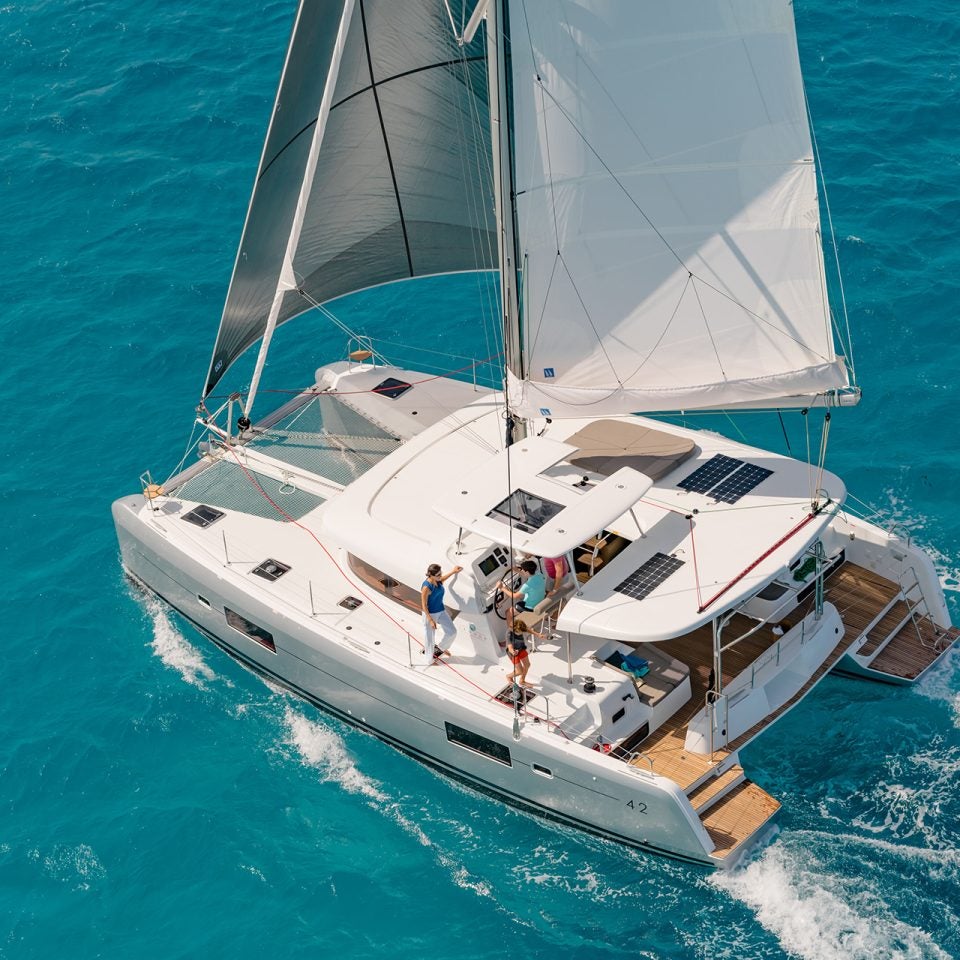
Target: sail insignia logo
{"type": "Point", "coordinates": [548, 372]}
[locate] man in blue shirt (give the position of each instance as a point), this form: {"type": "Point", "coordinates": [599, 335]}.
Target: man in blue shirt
{"type": "Point", "coordinates": [532, 590]}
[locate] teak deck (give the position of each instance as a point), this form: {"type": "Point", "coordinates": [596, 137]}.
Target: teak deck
{"type": "Point", "coordinates": [859, 596]}
{"type": "Point", "coordinates": [915, 647]}
{"type": "Point", "coordinates": [740, 814]}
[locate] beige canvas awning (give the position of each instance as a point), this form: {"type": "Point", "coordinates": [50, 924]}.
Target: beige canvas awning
{"type": "Point", "coordinates": [606, 446]}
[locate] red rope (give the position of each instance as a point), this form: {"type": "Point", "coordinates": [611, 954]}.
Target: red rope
{"type": "Point", "coordinates": [758, 561]}
{"type": "Point", "coordinates": [366, 596]}
{"type": "Point", "coordinates": [696, 572]}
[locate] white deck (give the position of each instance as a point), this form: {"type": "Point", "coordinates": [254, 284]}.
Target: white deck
{"type": "Point", "coordinates": [387, 517]}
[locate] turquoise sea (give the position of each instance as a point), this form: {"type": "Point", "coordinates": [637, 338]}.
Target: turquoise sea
{"type": "Point", "coordinates": [157, 801]}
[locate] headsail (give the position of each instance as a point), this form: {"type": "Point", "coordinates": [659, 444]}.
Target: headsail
{"type": "Point", "coordinates": [667, 207]}
{"type": "Point", "coordinates": [402, 182]}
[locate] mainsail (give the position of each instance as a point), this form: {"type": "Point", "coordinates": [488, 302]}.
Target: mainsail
{"type": "Point", "coordinates": [667, 207]}
{"type": "Point", "coordinates": [401, 186]}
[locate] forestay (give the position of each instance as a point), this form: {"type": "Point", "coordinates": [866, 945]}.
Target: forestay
{"type": "Point", "coordinates": [401, 185]}
{"type": "Point", "coordinates": [667, 207]}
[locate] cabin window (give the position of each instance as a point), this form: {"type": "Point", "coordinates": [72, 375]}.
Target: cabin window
{"type": "Point", "coordinates": [543, 771]}
{"type": "Point", "coordinates": [618, 715]}
{"type": "Point", "coordinates": [250, 630]}
{"type": "Point", "coordinates": [385, 584]}
{"type": "Point", "coordinates": [203, 600]}
{"type": "Point", "coordinates": [478, 744]}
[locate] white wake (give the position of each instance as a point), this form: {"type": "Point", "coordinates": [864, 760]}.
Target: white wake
{"type": "Point", "coordinates": [818, 915]}
{"type": "Point", "coordinates": [173, 648]}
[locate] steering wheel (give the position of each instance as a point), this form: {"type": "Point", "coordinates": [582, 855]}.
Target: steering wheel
{"type": "Point", "coordinates": [498, 598]}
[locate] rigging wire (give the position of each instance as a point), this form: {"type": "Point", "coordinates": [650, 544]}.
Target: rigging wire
{"type": "Point", "coordinates": [783, 427]}
{"type": "Point", "coordinates": [191, 443]}
{"type": "Point", "coordinates": [490, 697]}
{"type": "Point", "coordinates": [848, 345]}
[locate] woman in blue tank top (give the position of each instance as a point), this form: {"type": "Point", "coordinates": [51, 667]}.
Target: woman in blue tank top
{"type": "Point", "coordinates": [435, 614]}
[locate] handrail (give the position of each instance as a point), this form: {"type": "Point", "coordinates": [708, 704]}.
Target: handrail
{"type": "Point", "coordinates": [913, 609]}
{"type": "Point", "coordinates": [894, 525]}
{"type": "Point", "coordinates": [770, 616]}
{"type": "Point", "coordinates": [771, 654]}
{"type": "Point", "coordinates": [636, 755]}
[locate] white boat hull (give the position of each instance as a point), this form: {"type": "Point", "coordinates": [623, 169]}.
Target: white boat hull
{"type": "Point", "coordinates": [341, 674]}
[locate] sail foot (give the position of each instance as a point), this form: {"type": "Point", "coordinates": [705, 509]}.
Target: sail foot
{"type": "Point", "coordinates": [531, 398]}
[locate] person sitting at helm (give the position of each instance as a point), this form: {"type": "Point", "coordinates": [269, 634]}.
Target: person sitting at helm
{"type": "Point", "coordinates": [532, 590]}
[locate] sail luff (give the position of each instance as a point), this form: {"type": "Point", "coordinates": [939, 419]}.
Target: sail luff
{"type": "Point", "coordinates": [214, 372]}
{"type": "Point", "coordinates": [287, 280]}
{"type": "Point", "coordinates": [502, 152]}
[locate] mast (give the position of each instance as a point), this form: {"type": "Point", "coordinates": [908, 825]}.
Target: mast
{"type": "Point", "coordinates": [498, 71]}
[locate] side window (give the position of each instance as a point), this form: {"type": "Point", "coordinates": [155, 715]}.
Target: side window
{"type": "Point", "coordinates": [384, 583]}
{"type": "Point", "coordinates": [478, 744]}
{"type": "Point", "coordinates": [250, 629]}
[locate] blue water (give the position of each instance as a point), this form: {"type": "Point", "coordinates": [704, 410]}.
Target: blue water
{"type": "Point", "coordinates": [158, 801]}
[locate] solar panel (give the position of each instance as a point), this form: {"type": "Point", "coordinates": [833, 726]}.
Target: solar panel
{"type": "Point", "coordinates": [740, 483]}
{"type": "Point", "coordinates": [648, 577]}
{"type": "Point", "coordinates": [710, 474]}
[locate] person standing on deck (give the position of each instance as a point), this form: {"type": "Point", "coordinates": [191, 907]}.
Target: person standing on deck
{"type": "Point", "coordinates": [434, 613]}
{"type": "Point", "coordinates": [518, 653]}
{"type": "Point", "coordinates": [556, 570]}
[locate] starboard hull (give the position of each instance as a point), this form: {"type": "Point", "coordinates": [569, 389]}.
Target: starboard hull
{"type": "Point", "coordinates": [342, 677]}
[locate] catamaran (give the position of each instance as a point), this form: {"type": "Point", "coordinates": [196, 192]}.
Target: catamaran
{"type": "Point", "coordinates": [643, 178]}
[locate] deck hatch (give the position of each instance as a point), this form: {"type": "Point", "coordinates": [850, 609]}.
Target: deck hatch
{"type": "Point", "coordinates": [271, 570]}
{"type": "Point", "coordinates": [710, 474]}
{"type": "Point", "coordinates": [527, 511]}
{"type": "Point", "coordinates": [203, 516]}
{"type": "Point", "coordinates": [645, 579]}
{"type": "Point", "coordinates": [739, 483]}
{"type": "Point", "coordinates": [510, 694]}
{"type": "Point", "coordinates": [392, 388]}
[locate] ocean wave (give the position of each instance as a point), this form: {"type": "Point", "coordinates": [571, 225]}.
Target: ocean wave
{"type": "Point", "coordinates": [76, 865]}
{"type": "Point", "coordinates": [173, 648]}
{"type": "Point", "coordinates": [319, 747]}
{"type": "Point", "coordinates": [819, 915]}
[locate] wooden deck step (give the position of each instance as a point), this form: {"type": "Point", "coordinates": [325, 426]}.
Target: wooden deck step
{"type": "Point", "coordinates": [884, 627]}
{"type": "Point", "coordinates": [714, 789]}
{"type": "Point", "coordinates": [737, 817]}
{"type": "Point", "coordinates": [915, 647]}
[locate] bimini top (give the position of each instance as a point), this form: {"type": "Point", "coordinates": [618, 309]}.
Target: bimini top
{"type": "Point", "coordinates": [549, 515]}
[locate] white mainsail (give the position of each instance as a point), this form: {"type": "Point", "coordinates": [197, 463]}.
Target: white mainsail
{"type": "Point", "coordinates": [667, 208]}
